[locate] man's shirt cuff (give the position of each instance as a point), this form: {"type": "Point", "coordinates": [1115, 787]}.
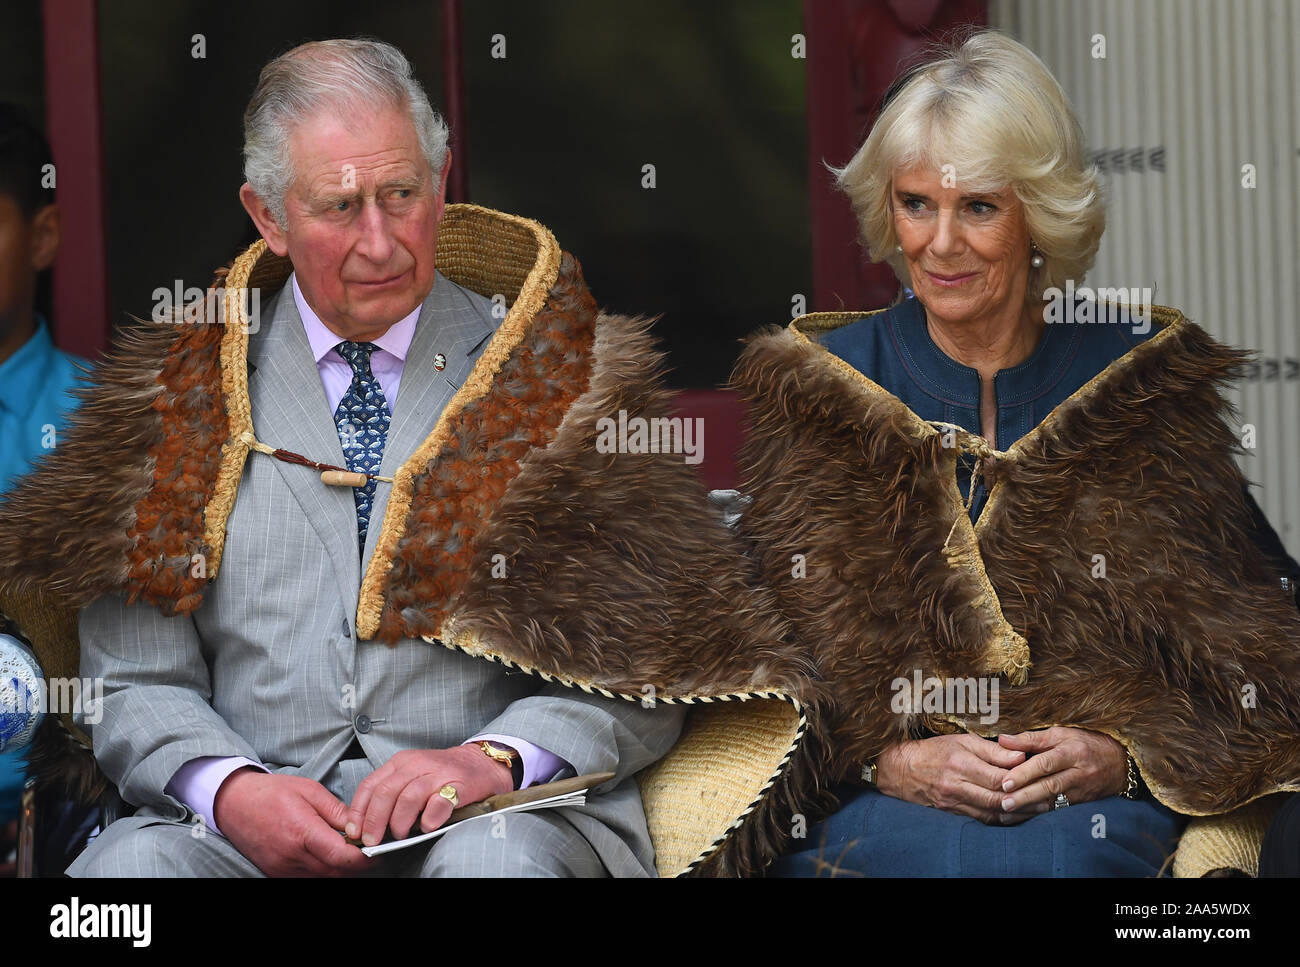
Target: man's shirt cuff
{"type": "Point", "coordinates": [196, 783]}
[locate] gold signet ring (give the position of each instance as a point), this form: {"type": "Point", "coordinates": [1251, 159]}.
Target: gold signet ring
{"type": "Point", "coordinates": [448, 792]}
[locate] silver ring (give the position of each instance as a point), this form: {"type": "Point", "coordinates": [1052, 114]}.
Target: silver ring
{"type": "Point", "coordinates": [1060, 801]}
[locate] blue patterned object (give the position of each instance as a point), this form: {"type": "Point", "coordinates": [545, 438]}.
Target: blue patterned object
{"type": "Point", "coordinates": [362, 420]}
{"type": "Point", "coordinates": [22, 690]}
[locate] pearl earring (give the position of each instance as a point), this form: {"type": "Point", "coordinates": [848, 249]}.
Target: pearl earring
{"type": "Point", "coordinates": [1036, 260]}
{"type": "Point", "coordinates": [898, 249]}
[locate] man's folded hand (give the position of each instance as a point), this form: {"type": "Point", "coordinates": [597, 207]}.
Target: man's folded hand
{"type": "Point", "coordinates": [408, 787]}
{"type": "Point", "coordinates": [286, 825]}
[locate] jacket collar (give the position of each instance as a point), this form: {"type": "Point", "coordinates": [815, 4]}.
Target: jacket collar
{"type": "Point", "coordinates": [946, 379]}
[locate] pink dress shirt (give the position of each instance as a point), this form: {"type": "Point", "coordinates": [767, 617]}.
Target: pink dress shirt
{"type": "Point", "coordinates": [196, 783]}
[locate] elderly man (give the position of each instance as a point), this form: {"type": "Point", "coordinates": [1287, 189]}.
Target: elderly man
{"type": "Point", "coordinates": [259, 734]}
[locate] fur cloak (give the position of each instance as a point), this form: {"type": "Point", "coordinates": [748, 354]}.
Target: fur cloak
{"type": "Point", "coordinates": [621, 580]}
{"type": "Point", "coordinates": [1183, 646]}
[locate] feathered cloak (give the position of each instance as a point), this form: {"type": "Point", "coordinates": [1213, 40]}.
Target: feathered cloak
{"type": "Point", "coordinates": [1110, 583]}
{"type": "Point", "coordinates": [621, 580]}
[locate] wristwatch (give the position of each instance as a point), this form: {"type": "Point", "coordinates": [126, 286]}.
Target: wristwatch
{"type": "Point", "coordinates": [503, 754]}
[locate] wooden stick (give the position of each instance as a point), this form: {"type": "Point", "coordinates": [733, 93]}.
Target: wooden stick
{"type": "Point", "coordinates": [546, 790]}
{"type": "Point", "coordinates": [330, 474]}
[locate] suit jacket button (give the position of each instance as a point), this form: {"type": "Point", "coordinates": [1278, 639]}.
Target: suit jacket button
{"type": "Point", "coordinates": [347, 632]}
{"type": "Point", "coordinates": [362, 722]}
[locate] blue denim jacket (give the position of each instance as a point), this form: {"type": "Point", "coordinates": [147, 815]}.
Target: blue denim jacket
{"type": "Point", "coordinates": [894, 349]}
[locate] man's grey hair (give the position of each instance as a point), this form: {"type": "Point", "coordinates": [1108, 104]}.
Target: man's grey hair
{"type": "Point", "coordinates": [349, 77]}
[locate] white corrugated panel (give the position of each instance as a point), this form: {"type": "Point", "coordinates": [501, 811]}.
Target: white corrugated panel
{"type": "Point", "coordinates": [1199, 88]}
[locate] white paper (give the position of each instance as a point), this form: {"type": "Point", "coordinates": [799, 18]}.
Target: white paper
{"type": "Point", "coordinates": [569, 799]}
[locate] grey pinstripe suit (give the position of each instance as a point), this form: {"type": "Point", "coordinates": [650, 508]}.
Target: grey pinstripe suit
{"type": "Point", "coordinates": [269, 666]}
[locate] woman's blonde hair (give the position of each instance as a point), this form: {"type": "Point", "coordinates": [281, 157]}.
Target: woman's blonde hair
{"type": "Point", "coordinates": [991, 109]}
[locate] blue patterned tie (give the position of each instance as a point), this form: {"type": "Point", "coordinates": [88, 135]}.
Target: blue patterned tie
{"type": "Point", "coordinates": [362, 422]}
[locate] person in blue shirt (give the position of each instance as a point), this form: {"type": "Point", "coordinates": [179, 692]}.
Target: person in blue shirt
{"type": "Point", "coordinates": [36, 379]}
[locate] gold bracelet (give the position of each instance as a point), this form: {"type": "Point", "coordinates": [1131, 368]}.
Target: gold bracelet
{"type": "Point", "coordinates": [1131, 786]}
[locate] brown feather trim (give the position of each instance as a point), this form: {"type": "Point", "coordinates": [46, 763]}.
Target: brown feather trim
{"type": "Point", "coordinates": [119, 504]}
{"type": "Point", "coordinates": [168, 559]}
{"type": "Point", "coordinates": [456, 494]}
{"type": "Point", "coordinates": [524, 263]}
{"type": "Point", "coordinates": [77, 513]}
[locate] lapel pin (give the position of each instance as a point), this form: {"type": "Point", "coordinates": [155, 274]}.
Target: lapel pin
{"type": "Point", "coordinates": [440, 362]}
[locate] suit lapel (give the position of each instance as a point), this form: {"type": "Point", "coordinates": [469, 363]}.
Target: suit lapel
{"type": "Point", "coordinates": [290, 412]}
{"type": "Point", "coordinates": [451, 325]}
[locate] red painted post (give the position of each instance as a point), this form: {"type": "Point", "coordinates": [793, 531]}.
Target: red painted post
{"type": "Point", "coordinates": [453, 90]}
{"type": "Point", "coordinates": [855, 50]}
{"type": "Point", "coordinates": [74, 126]}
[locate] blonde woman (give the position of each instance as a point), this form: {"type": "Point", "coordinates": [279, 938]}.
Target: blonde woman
{"type": "Point", "coordinates": [975, 186]}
